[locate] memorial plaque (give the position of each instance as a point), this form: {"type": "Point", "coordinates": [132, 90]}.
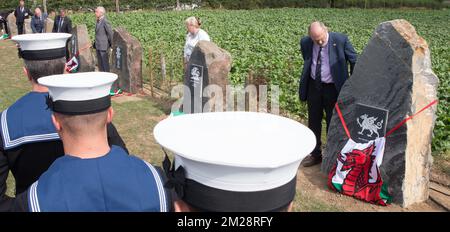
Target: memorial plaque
{"type": "Point", "coordinates": [118, 58]}
{"type": "Point", "coordinates": [370, 123]}
{"type": "Point", "coordinates": [196, 79]}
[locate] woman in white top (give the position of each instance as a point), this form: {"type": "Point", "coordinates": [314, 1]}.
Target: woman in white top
{"type": "Point", "coordinates": [195, 34]}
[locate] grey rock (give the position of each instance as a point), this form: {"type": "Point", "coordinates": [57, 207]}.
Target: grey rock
{"type": "Point", "coordinates": [48, 25]}
{"type": "Point", "coordinates": [12, 24]}
{"type": "Point", "coordinates": [393, 73]}
{"type": "Point", "coordinates": [127, 61]}
{"type": "Point", "coordinates": [27, 26]}
{"type": "Point", "coordinates": [81, 39]}
{"type": "Point", "coordinates": [214, 64]}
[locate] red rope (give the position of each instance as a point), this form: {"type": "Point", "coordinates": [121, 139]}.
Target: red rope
{"type": "Point", "coordinates": [410, 117]}
{"type": "Point", "coordinates": [338, 110]}
{"type": "Point", "coordinates": [80, 50]}
{"type": "Point", "coordinates": [123, 94]}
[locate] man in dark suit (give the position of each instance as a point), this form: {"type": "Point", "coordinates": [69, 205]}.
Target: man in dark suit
{"type": "Point", "coordinates": [21, 14]}
{"type": "Point", "coordinates": [38, 20]}
{"type": "Point", "coordinates": [62, 24]}
{"type": "Point", "coordinates": [103, 39]}
{"type": "Point", "coordinates": [326, 56]}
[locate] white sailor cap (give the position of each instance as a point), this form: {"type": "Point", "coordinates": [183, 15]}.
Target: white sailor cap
{"type": "Point", "coordinates": [42, 46]}
{"type": "Point", "coordinates": [79, 93]}
{"type": "Point", "coordinates": [234, 161]}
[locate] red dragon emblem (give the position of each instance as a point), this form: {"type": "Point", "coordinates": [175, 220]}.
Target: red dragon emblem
{"type": "Point", "coordinates": [360, 182]}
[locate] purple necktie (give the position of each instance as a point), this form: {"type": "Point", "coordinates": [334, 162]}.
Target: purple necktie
{"type": "Point", "coordinates": [318, 80]}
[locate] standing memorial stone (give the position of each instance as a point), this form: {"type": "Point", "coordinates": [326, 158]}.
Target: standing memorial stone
{"type": "Point", "coordinates": [127, 61]}
{"type": "Point", "coordinates": [48, 25]}
{"type": "Point", "coordinates": [12, 25]}
{"type": "Point", "coordinates": [80, 43]}
{"type": "Point", "coordinates": [27, 26]}
{"type": "Point", "coordinates": [208, 67]}
{"type": "Point", "coordinates": [394, 74]}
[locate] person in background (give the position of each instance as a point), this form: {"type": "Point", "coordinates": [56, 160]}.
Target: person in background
{"type": "Point", "coordinates": [195, 34]}
{"type": "Point", "coordinates": [62, 24]}
{"type": "Point", "coordinates": [21, 14]}
{"type": "Point", "coordinates": [38, 21]}
{"type": "Point", "coordinates": [328, 57]}
{"type": "Point", "coordinates": [103, 39]}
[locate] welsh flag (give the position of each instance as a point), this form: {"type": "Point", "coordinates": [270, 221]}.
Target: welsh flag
{"type": "Point", "coordinates": [357, 172]}
{"type": "Point", "coordinates": [357, 169]}
{"type": "Point", "coordinates": [72, 65]}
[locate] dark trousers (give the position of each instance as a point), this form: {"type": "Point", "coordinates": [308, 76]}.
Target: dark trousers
{"type": "Point", "coordinates": [68, 53]}
{"type": "Point", "coordinates": [103, 61]}
{"type": "Point", "coordinates": [318, 101]}
{"type": "Point", "coordinates": [20, 28]}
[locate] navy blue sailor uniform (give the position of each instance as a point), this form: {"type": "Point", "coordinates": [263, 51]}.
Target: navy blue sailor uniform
{"type": "Point", "coordinates": [114, 182]}
{"type": "Point", "coordinates": [30, 143]}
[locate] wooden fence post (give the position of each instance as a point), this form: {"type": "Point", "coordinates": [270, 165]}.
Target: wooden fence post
{"type": "Point", "coordinates": [150, 69]}
{"type": "Point", "coordinates": [163, 69]}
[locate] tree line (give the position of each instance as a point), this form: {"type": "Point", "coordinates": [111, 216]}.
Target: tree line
{"type": "Point", "coordinates": [123, 5]}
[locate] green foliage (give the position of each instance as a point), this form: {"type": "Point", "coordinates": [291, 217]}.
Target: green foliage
{"type": "Point", "coordinates": [266, 42]}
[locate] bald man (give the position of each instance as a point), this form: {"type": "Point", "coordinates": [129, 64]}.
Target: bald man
{"type": "Point", "coordinates": [327, 58]}
{"type": "Point", "coordinates": [37, 21]}
{"type": "Point", "coordinates": [103, 39]}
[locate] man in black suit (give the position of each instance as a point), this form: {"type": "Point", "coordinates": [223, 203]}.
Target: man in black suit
{"type": "Point", "coordinates": [327, 57]}
{"type": "Point", "coordinates": [62, 24]}
{"type": "Point", "coordinates": [21, 14]}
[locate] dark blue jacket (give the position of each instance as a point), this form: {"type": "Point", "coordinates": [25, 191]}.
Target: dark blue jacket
{"type": "Point", "coordinates": [38, 23]}
{"type": "Point", "coordinates": [341, 54]}
{"type": "Point", "coordinates": [66, 26]}
{"type": "Point", "coordinates": [21, 16]}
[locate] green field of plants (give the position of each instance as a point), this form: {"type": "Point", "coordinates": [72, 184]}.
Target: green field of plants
{"type": "Point", "coordinates": [266, 43]}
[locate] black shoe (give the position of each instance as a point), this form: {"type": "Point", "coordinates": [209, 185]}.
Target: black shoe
{"type": "Point", "coordinates": [312, 160]}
